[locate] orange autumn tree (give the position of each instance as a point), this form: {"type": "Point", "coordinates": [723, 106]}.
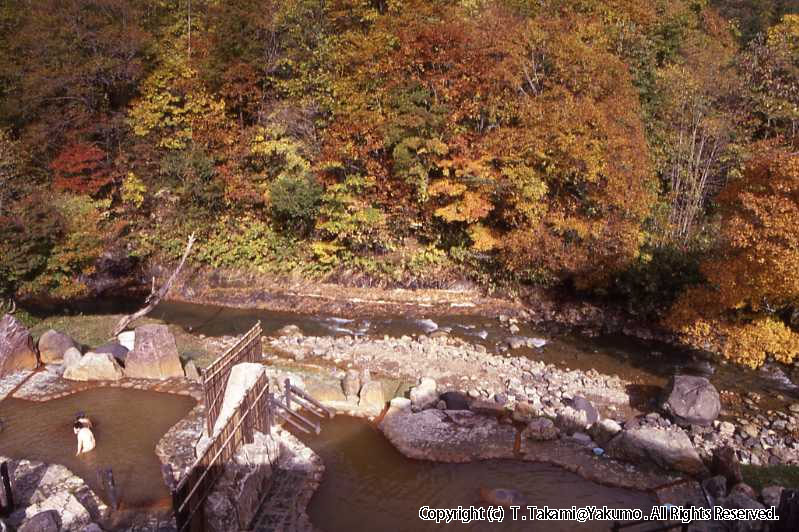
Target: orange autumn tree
{"type": "Point", "coordinates": [752, 294]}
{"type": "Point", "coordinates": [517, 136]}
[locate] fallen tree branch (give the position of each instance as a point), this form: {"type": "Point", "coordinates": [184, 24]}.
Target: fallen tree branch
{"type": "Point", "coordinates": [155, 297]}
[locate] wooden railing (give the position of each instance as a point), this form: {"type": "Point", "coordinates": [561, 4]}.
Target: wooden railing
{"type": "Point", "coordinates": [252, 414]}
{"type": "Point", "coordinates": [247, 349]}
{"type": "Point", "coordinates": [284, 411]}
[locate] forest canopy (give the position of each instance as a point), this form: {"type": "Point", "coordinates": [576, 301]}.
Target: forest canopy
{"type": "Point", "coordinates": [642, 151]}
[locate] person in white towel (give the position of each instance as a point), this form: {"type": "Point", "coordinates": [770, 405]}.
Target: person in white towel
{"type": "Point", "coordinates": [85, 436]}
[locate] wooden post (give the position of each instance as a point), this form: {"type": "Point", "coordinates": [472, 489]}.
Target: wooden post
{"type": "Point", "coordinates": [6, 495]}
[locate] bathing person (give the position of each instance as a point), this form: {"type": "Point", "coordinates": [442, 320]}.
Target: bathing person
{"type": "Point", "coordinates": [85, 437]}
{"type": "Point", "coordinates": [83, 419]}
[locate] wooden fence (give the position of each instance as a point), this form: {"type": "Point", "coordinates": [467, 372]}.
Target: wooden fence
{"type": "Point", "coordinates": [247, 349]}
{"type": "Point", "coordinates": [252, 414]}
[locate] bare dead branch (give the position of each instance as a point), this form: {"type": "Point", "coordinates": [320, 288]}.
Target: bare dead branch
{"type": "Point", "coordinates": [154, 298]}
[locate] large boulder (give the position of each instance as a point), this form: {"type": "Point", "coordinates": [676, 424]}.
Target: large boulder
{"type": "Point", "coordinates": [16, 347]}
{"type": "Point", "coordinates": [725, 463]}
{"type": "Point", "coordinates": [425, 395]}
{"type": "Point", "coordinates": [46, 521]}
{"type": "Point", "coordinates": [72, 514]}
{"type": "Point", "coordinates": [692, 400]}
{"type": "Point", "coordinates": [740, 501]}
{"type": "Point", "coordinates": [72, 356]}
{"type": "Point", "coordinates": [570, 420]}
{"type": "Point", "coordinates": [446, 435]}
{"type": "Point", "coordinates": [155, 355]}
{"type": "Point", "coordinates": [372, 396]}
{"type": "Point", "coordinates": [324, 391]}
{"type": "Point", "coordinates": [242, 378]}
{"type": "Point", "coordinates": [604, 430]}
{"type": "Point", "coordinates": [192, 373]}
{"type": "Point", "coordinates": [584, 405]}
{"type": "Point", "coordinates": [115, 349]}
{"type": "Point", "coordinates": [53, 345]}
{"type": "Point", "coordinates": [351, 384]}
{"type": "Point", "coordinates": [127, 339]}
{"type": "Point", "coordinates": [94, 367]}
{"type": "Point", "coordinates": [670, 448]}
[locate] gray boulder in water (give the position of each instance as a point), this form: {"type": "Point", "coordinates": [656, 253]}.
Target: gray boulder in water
{"type": "Point", "coordinates": [692, 400]}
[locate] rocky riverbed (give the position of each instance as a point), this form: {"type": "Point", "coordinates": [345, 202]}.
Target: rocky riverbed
{"type": "Point", "coordinates": [513, 383]}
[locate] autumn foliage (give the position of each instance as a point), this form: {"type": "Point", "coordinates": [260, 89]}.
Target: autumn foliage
{"type": "Point", "coordinates": [640, 151]}
{"type": "Point", "coordinates": [753, 278]}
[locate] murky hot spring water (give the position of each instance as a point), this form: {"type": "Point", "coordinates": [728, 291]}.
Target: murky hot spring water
{"type": "Point", "coordinates": [127, 426]}
{"type": "Point", "coordinates": [369, 485]}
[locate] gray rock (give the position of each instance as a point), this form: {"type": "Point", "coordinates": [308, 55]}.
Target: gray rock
{"type": "Point", "coordinates": [725, 463]}
{"type": "Point", "coordinates": [16, 347]}
{"type": "Point", "coordinates": [669, 448]}
{"type": "Point", "coordinates": [46, 521]}
{"type": "Point", "coordinates": [739, 500]}
{"type": "Point", "coordinates": [351, 384]}
{"type": "Point", "coordinates": [591, 413]}
{"type": "Point", "coordinates": [715, 487]}
{"type": "Point", "coordinates": [52, 345]}
{"type": "Point", "coordinates": [94, 367]}
{"type": "Point", "coordinates": [447, 436]}
{"type": "Point", "coordinates": [191, 371]}
{"type": "Point", "coordinates": [569, 420]}
{"type": "Point", "coordinates": [540, 429]}
{"type": "Point", "coordinates": [71, 512]}
{"type": "Point", "coordinates": [771, 495]}
{"type": "Point", "coordinates": [692, 400]}
{"type": "Point", "coordinates": [92, 527]}
{"type": "Point", "coordinates": [425, 395]}
{"type": "Point", "coordinates": [324, 391]}
{"type": "Point", "coordinates": [516, 342]}
{"type": "Point", "coordinates": [155, 355]}
{"type": "Point", "coordinates": [604, 430]}
{"type": "Point", "coordinates": [744, 489]}
{"type": "Point", "coordinates": [371, 396]}
{"type": "Point", "coordinates": [582, 438]}
{"type": "Point", "coordinates": [115, 349]}
{"type": "Point", "coordinates": [72, 356]}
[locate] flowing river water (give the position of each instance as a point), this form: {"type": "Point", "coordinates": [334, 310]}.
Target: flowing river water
{"type": "Point", "coordinates": [369, 485]}
{"type": "Point", "coordinates": [641, 363]}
